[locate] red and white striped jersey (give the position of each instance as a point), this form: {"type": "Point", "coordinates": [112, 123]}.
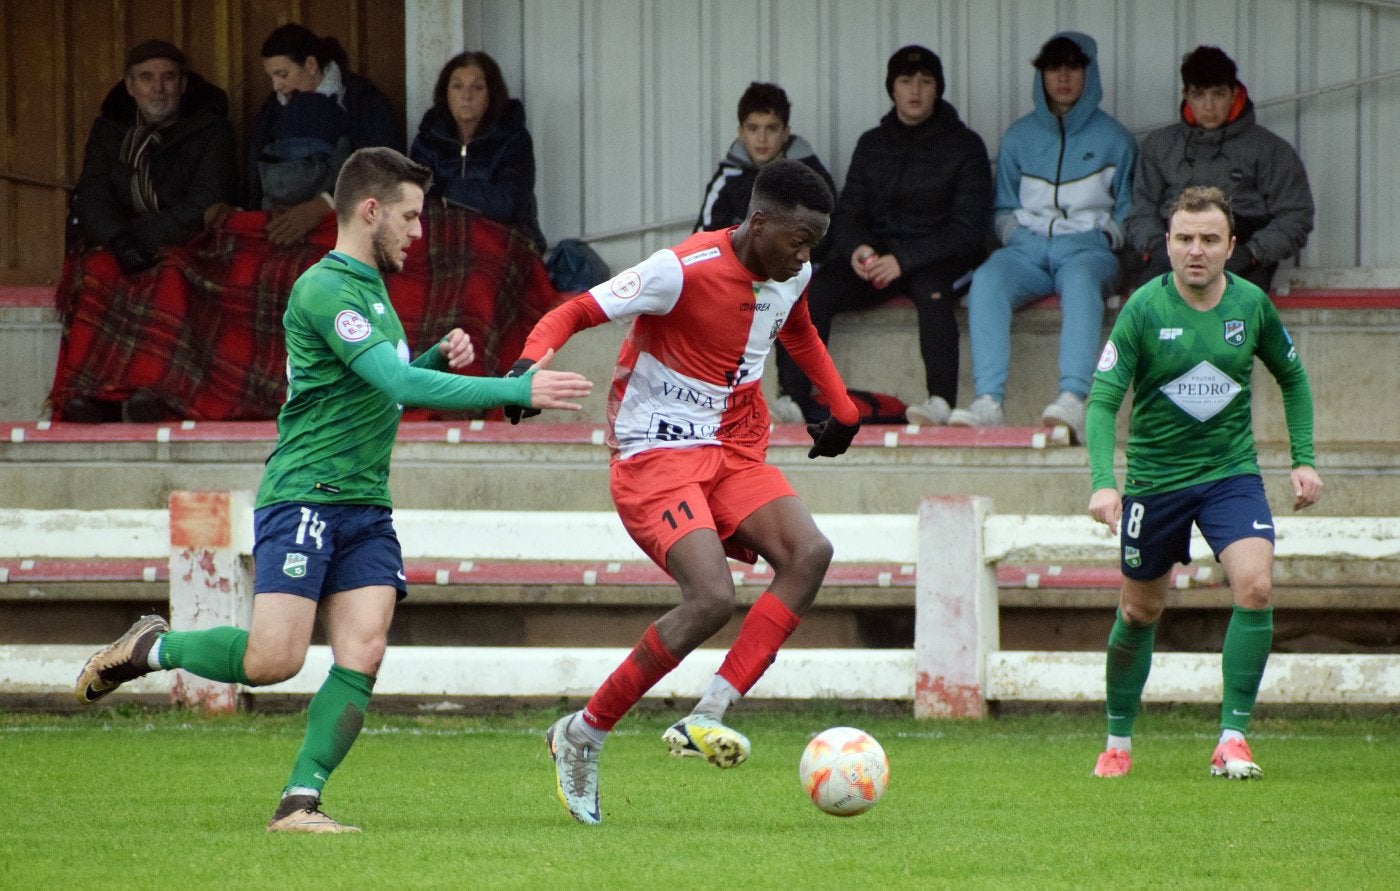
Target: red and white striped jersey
{"type": "Point", "coordinates": [690, 369]}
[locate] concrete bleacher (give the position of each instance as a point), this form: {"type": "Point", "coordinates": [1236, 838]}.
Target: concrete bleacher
{"type": "Point", "coordinates": [955, 561]}
{"type": "Point", "coordinates": [1345, 335]}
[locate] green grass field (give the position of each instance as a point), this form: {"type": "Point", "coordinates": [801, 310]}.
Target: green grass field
{"type": "Point", "coordinates": [135, 798]}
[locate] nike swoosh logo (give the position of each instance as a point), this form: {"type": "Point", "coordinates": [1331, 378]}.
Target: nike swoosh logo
{"type": "Point", "coordinates": [402, 577]}
{"type": "Point", "coordinates": [1259, 525]}
{"type": "Point", "coordinates": [1116, 717]}
{"type": "Point", "coordinates": [1235, 711]}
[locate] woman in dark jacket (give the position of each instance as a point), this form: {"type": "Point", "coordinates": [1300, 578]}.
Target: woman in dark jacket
{"type": "Point", "coordinates": [318, 113]}
{"type": "Point", "coordinates": [474, 140]}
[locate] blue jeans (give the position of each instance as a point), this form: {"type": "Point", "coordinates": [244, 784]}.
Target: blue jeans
{"type": "Point", "coordinates": [1080, 268]}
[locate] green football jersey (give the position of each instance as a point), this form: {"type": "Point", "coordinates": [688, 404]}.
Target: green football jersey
{"type": "Point", "coordinates": [1190, 369]}
{"type": "Point", "coordinates": [335, 432]}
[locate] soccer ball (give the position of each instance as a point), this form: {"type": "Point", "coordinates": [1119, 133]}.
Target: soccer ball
{"type": "Point", "coordinates": [844, 771]}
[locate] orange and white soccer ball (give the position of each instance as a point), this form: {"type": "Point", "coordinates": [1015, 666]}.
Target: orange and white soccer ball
{"type": "Point", "coordinates": [844, 771]}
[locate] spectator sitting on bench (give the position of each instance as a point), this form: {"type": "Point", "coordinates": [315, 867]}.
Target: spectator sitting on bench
{"type": "Point", "coordinates": [160, 152]}
{"type": "Point", "coordinates": [1217, 143]}
{"type": "Point", "coordinates": [475, 142]}
{"type": "Point", "coordinates": [1064, 176]}
{"type": "Point", "coordinates": [764, 136]}
{"type": "Point", "coordinates": [317, 114]}
{"type": "Point", "coordinates": [912, 218]}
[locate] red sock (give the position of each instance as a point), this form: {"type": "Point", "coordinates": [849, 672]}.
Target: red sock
{"type": "Point", "coordinates": [648, 663]}
{"type": "Point", "coordinates": [768, 624]}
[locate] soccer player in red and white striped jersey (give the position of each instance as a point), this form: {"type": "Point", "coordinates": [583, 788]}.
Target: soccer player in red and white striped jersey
{"type": "Point", "coordinates": [688, 428]}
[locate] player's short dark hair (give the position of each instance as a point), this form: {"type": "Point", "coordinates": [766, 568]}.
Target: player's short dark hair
{"type": "Point", "coordinates": [1194, 199]}
{"type": "Point", "coordinates": [1061, 52]}
{"type": "Point", "coordinates": [761, 97]}
{"type": "Point", "coordinates": [1208, 66]}
{"type": "Point", "coordinates": [378, 173]}
{"type": "Point", "coordinates": [786, 185]}
{"type": "Point", "coordinates": [496, 93]}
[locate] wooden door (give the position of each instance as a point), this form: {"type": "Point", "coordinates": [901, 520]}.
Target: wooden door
{"type": "Point", "coordinates": [60, 59]}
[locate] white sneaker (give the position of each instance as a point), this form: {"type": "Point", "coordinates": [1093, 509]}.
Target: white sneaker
{"type": "Point", "coordinates": [701, 736]}
{"type": "Point", "coordinates": [1066, 411]}
{"type": "Point", "coordinates": [575, 773]}
{"type": "Point", "coordinates": [932, 413]}
{"type": "Point", "coordinates": [785, 410]}
{"type": "Point", "coordinates": [983, 412]}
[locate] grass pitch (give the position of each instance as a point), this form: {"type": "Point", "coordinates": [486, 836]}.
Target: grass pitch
{"type": "Point", "coordinates": [129, 797]}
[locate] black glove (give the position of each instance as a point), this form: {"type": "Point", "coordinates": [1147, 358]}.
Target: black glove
{"type": "Point", "coordinates": [516, 413]}
{"type": "Point", "coordinates": [831, 438]}
{"type": "Point", "coordinates": [131, 256]}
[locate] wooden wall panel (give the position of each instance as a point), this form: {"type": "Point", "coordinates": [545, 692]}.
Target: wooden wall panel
{"type": "Point", "coordinates": [61, 58]}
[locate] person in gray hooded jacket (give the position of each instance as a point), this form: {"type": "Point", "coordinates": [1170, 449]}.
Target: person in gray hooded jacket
{"type": "Point", "coordinates": [764, 136]}
{"type": "Point", "coordinates": [1217, 143]}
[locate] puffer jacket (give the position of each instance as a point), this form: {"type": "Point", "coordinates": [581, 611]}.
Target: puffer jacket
{"type": "Point", "coordinates": [1259, 172]}
{"type": "Point", "coordinates": [922, 193]}
{"type": "Point", "coordinates": [493, 173]}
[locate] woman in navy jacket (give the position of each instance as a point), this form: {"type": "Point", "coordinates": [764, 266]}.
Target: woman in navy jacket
{"type": "Point", "coordinates": [475, 142]}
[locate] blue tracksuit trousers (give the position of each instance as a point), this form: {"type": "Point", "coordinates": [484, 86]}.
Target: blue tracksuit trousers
{"type": "Point", "coordinates": [1080, 268]}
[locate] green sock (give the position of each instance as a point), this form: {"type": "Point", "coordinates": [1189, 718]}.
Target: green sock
{"type": "Point", "coordinates": [216, 654]}
{"type": "Point", "coordinates": [1129, 661]}
{"type": "Point", "coordinates": [1242, 660]}
{"type": "Point", "coordinates": [333, 720]}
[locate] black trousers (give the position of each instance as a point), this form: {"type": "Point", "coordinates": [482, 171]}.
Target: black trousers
{"type": "Point", "coordinates": [836, 288]}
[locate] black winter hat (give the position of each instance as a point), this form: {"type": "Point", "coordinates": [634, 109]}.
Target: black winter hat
{"type": "Point", "coordinates": [154, 49]}
{"type": "Point", "coordinates": [912, 59]}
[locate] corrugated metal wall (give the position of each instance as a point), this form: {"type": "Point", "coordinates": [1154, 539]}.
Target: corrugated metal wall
{"type": "Point", "coordinates": [631, 102]}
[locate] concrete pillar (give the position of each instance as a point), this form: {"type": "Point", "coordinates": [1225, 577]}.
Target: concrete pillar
{"type": "Point", "coordinates": [955, 624]}
{"type": "Point", "coordinates": [211, 583]}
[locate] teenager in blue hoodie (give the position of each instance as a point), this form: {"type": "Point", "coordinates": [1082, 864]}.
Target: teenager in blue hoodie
{"type": "Point", "coordinates": [1063, 191]}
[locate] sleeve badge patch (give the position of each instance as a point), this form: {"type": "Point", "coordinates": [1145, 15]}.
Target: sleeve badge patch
{"type": "Point", "coordinates": [1109, 357]}
{"type": "Point", "coordinates": [351, 326]}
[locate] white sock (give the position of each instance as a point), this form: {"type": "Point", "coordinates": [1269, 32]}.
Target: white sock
{"type": "Point", "coordinates": [1120, 742]}
{"type": "Point", "coordinates": [153, 657]}
{"type": "Point", "coordinates": [717, 699]}
{"type": "Point", "coordinates": [580, 731]}
{"type": "Point", "coordinates": [1227, 735]}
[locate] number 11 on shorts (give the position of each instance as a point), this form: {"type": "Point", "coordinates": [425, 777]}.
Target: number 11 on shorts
{"type": "Point", "coordinates": [671, 518]}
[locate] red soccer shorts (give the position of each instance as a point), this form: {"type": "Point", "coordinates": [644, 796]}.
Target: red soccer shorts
{"type": "Point", "coordinates": [664, 494]}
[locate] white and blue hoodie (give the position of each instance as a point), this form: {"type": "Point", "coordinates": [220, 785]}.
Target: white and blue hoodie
{"type": "Point", "coordinates": [1061, 177]}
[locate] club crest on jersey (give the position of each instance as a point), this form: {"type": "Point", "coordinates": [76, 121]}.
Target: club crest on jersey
{"type": "Point", "coordinates": [294, 566]}
{"type": "Point", "coordinates": [351, 326]}
{"type": "Point", "coordinates": [1132, 556]}
{"type": "Point", "coordinates": [1234, 332]}
{"type": "Point", "coordinates": [627, 285]}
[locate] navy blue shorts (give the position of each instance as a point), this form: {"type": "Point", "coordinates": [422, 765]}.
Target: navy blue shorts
{"type": "Point", "coordinates": [1156, 529]}
{"type": "Point", "coordinates": [316, 550]}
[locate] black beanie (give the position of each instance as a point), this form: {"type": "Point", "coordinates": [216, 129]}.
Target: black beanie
{"type": "Point", "coordinates": [910, 60]}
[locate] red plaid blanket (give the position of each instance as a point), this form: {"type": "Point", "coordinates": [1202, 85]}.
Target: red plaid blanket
{"type": "Point", "coordinates": [203, 329]}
